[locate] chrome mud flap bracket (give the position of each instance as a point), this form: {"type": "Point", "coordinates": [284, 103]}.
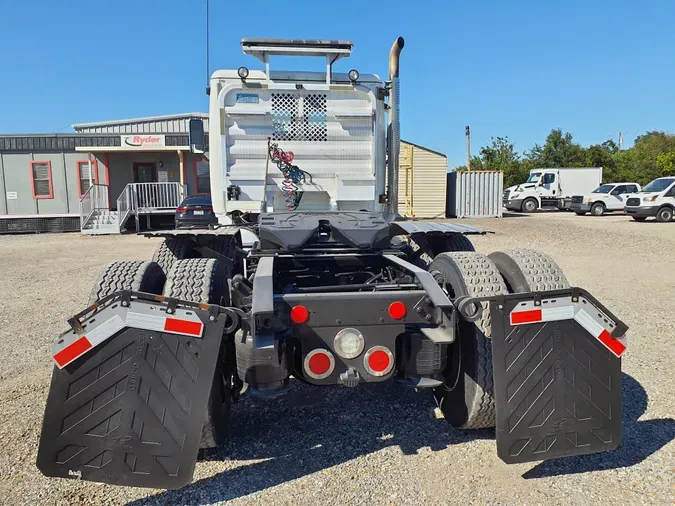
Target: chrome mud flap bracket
{"type": "Point", "coordinates": [557, 373]}
{"type": "Point", "coordinates": [129, 391]}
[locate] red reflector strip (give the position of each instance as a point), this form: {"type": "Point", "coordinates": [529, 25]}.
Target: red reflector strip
{"type": "Point", "coordinates": [614, 345]}
{"type": "Point", "coordinates": [183, 326]}
{"type": "Point", "coordinates": [72, 351]}
{"type": "Point", "coordinates": [531, 316]}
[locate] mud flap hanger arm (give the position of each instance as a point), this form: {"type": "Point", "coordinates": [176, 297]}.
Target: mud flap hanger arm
{"type": "Point", "coordinates": [125, 297]}
{"type": "Point", "coordinates": [471, 308]}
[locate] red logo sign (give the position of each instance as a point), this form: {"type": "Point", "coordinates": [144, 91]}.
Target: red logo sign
{"type": "Point", "coordinates": [140, 140]}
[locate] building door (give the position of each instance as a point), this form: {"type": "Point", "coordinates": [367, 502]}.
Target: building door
{"type": "Point", "coordinates": [145, 173]}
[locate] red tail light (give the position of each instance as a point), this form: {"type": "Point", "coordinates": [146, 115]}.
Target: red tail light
{"type": "Point", "coordinates": [299, 314]}
{"type": "Point", "coordinates": [397, 310]}
{"type": "Point", "coordinates": [319, 364]}
{"type": "Point", "coordinates": [378, 361]}
{"type": "Point", "coordinates": [181, 209]}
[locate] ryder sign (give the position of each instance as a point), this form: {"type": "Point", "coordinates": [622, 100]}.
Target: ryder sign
{"type": "Point", "coordinates": [143, 141]}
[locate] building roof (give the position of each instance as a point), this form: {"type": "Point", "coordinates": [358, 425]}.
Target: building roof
{"type": "Point", "coordinates": [424, 148]}
{"type": "Point", "coordinates": [170, 123]}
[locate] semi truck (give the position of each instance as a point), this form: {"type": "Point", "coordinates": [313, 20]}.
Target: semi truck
{"type": "Point", "coordinates": [311, 275]}
{"type": "Point", "coordinates": [552, 188]}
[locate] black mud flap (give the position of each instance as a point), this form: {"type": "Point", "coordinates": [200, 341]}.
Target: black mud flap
{"type": "Point", "coordinates": [131, 410]}
{"type": "Point", "coordinates": [557, 375]}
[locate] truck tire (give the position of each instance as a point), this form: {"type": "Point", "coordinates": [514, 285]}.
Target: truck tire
{"type": "Point", "coordinates": [639, 218]}
{"type": "Point", "coordinates": [598, 209]}
{"type": "Point", "coordinates": [580, 213]}
{"type": "Point", "coordinates": [129, 275]}
{"type": "Point", "coordinates": [529, 205]}
{"type": "Point", "coordinates": [458, 242]}
{"type": "Point", "coordinates": [467, 398]}
{"type": "Point", "coordinates": [203, 280]}
{"type": "Point", "coordinates": [226, 246]}
{"type": "Point", "coordinates": [664, 214]}
{"type": "Point", "coordinates": [171, 250]}
{"type": "Point", "coordinates": [526, 270]}
{"type": "Point", "coordinates": [416, 248]}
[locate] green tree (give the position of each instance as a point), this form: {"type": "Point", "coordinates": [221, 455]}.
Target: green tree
{"type": "Point", "coordinates": [501, 155]}
{"type": "Point", "coordinates": [559, 150]}
{"type": "Point", "coordinates": [601, 155]}
{"type": "Point", "coordinates": [476, 164]}
{"type": "Point", "coordinates": [666, 163]}
{"type": "Point", "coordinates": [646, 151]}
{"type": "Point", "coordinates": [652, 156]}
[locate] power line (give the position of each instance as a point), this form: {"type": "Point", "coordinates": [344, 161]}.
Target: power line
{"type": "Point", "coordinates": [208, 64]}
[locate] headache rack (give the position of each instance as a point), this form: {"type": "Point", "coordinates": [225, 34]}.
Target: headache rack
{"type": "Point", "coordinates": [332, 50]}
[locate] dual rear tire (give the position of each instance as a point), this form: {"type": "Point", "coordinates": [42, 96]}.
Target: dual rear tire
{"type": "Point", "coordinates": [200, 280]}
{"type": "Point", "coordinates": [467, 397]}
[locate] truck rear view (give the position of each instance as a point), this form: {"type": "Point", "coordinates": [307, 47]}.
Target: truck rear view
{"type": "Point", "coordinates": [333, 290]}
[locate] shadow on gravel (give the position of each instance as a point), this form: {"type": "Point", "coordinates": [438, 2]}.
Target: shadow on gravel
{"type": "Point", "coordinates": [640, 439]}
{"type": "Point", "coordinates": [509, 214]}
{"type": "Point", "coordinates": [311, 429]}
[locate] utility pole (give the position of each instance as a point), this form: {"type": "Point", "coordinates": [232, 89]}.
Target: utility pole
{"type": "Point", "coordinates": [468, 148]}
{"type": "Point", "coordinates": [620, 140]}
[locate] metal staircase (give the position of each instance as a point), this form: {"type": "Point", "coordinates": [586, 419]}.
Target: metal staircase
{"type": "Point", "coordinates": [95, 215]}
{"type": "Point", "coordinates": [137, 200]}
{"type": "Point", "coordinates": [102, 222]}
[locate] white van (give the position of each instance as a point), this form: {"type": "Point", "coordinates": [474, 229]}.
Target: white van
{"type": "Point", "coordinates": [657, 200]}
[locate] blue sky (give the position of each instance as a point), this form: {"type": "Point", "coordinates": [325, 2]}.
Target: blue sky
{"type": "Point", "coordinates": [515, 68]}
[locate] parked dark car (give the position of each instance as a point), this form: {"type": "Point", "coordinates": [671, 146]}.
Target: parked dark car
{"type": "Point", "coordinates": [196, 212]}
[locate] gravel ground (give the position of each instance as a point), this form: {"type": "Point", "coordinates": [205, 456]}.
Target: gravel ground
{"type": "Point", "coordinates": [374, 444]}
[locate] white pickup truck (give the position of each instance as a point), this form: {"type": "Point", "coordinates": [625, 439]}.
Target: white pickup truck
{"type": "Point", "coordinates": [656, 200]}
{"type": "Point", "coordinates": [606, 197]}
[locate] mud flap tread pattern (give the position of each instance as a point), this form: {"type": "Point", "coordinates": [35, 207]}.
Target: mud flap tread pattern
{"type": "Point", "coordinates": [557, 389]}
{"type": "Point", "coordinates": [131, 411]}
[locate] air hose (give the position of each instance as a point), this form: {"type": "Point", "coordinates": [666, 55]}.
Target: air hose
{"type": "Point", "coordinates": [292, 175]}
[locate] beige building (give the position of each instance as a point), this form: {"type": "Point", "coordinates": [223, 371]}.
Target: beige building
{"type": "Point", "coordinates": [422, 182]}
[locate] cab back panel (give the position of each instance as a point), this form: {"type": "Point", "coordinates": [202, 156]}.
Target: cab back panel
{"type": "Point", "coordinates": [330, 133]}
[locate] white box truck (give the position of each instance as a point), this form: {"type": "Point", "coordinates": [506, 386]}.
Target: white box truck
{"type": "Point", "coordinates": [552, 187]}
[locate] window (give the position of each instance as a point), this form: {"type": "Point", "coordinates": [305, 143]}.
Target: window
{"type": "Point", "coordinates": [83, 175]}
{"type": "Point", "coordinates": [619, 190]}
{"type": "Point", "coordinates": [201, 177]}
{"type": "Point", "coordinates": [605, 188]}
{"type": "Point", "coordinates": [41, 177]}
{"type": "Point", "coordinates": [534, 177]}
{"type": "Point", "coordinates": [549, 178]}
{"type": "Point", "coordinates": [658, 185]}
{"type": "Point", "coordinates": [632, 188]}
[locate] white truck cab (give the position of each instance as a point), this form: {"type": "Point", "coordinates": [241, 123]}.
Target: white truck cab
{"type": "Point", "coordinates": [301, 141]}
{"type": "Point", "coordinates": [606, 197]}
{"type": "Point", "coordinates": [656, 200]}
{"type": "Point", "coordinates": [551, 187]}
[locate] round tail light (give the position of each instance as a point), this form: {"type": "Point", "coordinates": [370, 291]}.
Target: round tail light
{"type": "Point", "coordinates": [378, 361]}
{"type": "Point", "coordinates": [299, 314]}
{"type": "Point", "coordinates": [397, 310]}
{"type": "Point", "coordinates": [319, 364]}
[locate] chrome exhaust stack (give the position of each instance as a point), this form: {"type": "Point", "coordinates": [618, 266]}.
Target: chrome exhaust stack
{"type": "Point", "coordinates": [393, 129]}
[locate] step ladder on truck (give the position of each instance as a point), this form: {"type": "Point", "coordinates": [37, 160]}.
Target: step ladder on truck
{"type": "Point", "coordinates": [312, 273]}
